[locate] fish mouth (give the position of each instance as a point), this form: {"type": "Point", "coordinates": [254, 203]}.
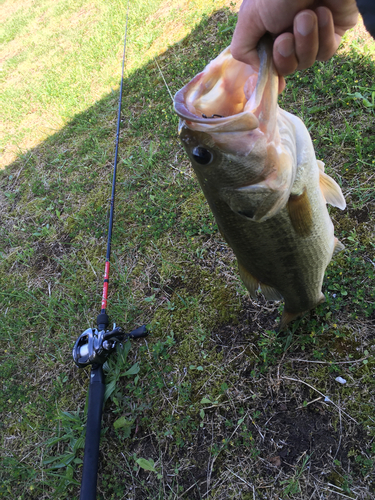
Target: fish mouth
{"type": "Point", "coordinates": [231, 96]}
{"type": "Point", "coordinates": [216, 97]}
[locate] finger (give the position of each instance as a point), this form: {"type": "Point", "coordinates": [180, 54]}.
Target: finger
{"type": "Point", "coordinates": [345, 14]}
{"type": "Point", "coordinates": [247, 56]}
{"type": "Point", "coordinates": [306, 38]}
{"type": "Point", "coordinates": [284, 54]}
{"type": "Point", "coordinates": [328, 41]}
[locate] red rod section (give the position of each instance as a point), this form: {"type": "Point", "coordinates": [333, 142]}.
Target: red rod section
{"type": "Point", "coordinates": [105, 285]}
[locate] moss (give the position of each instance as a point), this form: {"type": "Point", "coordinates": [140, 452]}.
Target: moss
{"type": "Point", "coordinates": [336, 479]}
{"type": "Point", "coordinates": [196, 217]}
{"type": "Point", "coordinates": [203, 299]}
{"type": "Point", "coordinates": [344, 225]}
{"type": "Point", "coordinates": [200, 303]}
{"type": "Point", "coordinates": [366, 235]}
{"type": "Point", "coordinates": [35, 206]}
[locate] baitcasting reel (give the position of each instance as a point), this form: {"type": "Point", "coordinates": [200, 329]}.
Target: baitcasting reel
{"type": "Point", "coordinates": [94, 346]}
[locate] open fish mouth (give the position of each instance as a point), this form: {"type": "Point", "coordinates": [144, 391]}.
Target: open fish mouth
{"type": "Point", "coordinates": [217, 94]}
{"type": "Point", "coordinates": [228, 96]}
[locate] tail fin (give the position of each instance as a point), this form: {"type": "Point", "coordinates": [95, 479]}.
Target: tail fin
{"type": "Point", "coordinates": [288, 316]}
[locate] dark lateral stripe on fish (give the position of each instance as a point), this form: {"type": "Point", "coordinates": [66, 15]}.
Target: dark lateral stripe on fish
{"type": "Point", "coordinates": [300, 213]}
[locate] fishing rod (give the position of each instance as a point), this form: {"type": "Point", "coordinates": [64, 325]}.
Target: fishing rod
{"type": "Point", "coordinates": [94, 345]}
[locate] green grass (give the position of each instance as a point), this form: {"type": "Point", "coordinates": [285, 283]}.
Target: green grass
{"type": "Point", "coordinates": [213, 403]}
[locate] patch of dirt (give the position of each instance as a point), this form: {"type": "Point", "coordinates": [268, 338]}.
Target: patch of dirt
{"type": "Point", "coordinates": [291, 432]}
{"type": "Point", "coordinates": [360, 214]}
{"type": "Point", "coordinates": [47, 256]}
{"type": "Point", "coordinates": [256, 316]}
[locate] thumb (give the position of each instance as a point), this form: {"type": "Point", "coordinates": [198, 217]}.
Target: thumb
{"type": "Point", "coordinates": [249, 30]}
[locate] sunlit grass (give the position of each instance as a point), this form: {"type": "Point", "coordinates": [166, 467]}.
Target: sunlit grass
{"type": "Point", "coordinates": [62, 57]}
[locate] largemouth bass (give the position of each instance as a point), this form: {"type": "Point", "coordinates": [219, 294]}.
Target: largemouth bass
{"type": "Point", "coordinates": [257, 168]}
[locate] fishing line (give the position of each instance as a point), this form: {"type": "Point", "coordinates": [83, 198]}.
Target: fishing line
{"type": "Point", "coordinates": [164, 79]}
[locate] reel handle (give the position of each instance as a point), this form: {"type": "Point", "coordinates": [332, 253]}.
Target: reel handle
{"type": "Point", "coordinates": [138, 332]}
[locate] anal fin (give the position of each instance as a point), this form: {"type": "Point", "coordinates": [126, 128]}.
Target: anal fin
{"type": "Point", "coordinates": [251, 283]}
{"type": "Point", "coordinates": [270, 293]}
{"type": "Point", "coordinates": [331, 191]}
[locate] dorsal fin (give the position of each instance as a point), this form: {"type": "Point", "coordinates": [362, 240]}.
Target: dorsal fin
{"type": "Point", "coordinates": [331, 191]}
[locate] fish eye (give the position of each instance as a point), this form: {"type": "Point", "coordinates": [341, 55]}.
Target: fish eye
{"type": "Point", "coordinates": [202, 155]}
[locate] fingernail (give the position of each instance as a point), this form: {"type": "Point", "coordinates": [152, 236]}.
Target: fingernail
{"type": "Point", "coordinates": [305, 23]}
{"type": "Point", "coordinates": [285, 47]}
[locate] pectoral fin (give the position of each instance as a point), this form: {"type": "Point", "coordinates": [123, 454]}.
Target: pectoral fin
{"type": "Point", "coordinates": [331, 191]}
{"type": "Point", "coordinates": [300, 213]}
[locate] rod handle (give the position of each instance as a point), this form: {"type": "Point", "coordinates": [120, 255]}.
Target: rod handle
{"type": "Point", "coordinates": [93, 426]}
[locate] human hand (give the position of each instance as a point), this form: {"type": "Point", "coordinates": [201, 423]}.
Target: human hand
{"type": "Point", "coordinates": [305, 30]}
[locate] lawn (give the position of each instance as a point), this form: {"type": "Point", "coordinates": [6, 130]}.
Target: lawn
{"type": "Point", "coordinates": [217, 404]}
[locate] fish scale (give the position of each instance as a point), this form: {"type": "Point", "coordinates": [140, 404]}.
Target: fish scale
{"type": "Point", "coordinates": [257, 168]}
{"type": "Point", "coordinates": [297, 281]}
